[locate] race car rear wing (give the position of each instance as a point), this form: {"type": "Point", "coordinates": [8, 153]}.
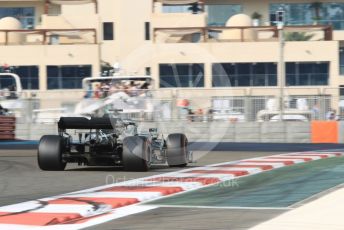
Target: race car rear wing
{"type": "Point", "coordinates": [84, 123]}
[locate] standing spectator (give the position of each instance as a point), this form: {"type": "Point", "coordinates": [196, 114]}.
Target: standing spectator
{"type": "Point", "coordinates": [89, 92]}
{"type": "Point", "coordinates": [98, 92]}
{"type": "Point", "coordinates": [133, 89]}
{"type": "Point", "coordinates": [105, 90]}
{"type": "Point", "coordinates": [199, 115]}
{"type": "Point", "coordinates": [316, 112]}
{"type": "Point", "coordinates": [331, 115]}
{"type": "Point", "coordinates": [6, 68]}
{"type": "Point", "coordinates": [210, 114]}
{"type": "Point", "coordinates": [13, 92]}
{"type": "Point", "coordinates": [191, 115]}
{"type": "Point", "coordinates": [3, 111]}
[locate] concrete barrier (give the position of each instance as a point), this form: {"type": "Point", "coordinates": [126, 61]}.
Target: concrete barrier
{"type": "Point", "coordinates": [255, 132]}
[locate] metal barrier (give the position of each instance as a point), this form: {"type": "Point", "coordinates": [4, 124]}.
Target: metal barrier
{"type": "Point", "coordinates": [37, 112]}
{"type": "Point", "coordinates": [250, 109]}
{"type": "Point", "coordinates": [231, 105]}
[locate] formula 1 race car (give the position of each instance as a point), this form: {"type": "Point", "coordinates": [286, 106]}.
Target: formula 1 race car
{"type": "Point", "coordinates": [110, 142]}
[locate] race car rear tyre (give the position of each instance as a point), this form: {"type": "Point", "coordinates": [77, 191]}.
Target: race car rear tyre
{"type": "Point", "coordinates": [136, 154]}
{"type": "Point", "coordinates": [176, 150]}
{"type": "Point", "coordinates": [50, 153]}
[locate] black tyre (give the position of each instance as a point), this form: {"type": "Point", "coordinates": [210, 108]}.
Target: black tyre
{"type": "Point", "coordinates": [136, 154]}
{"type": "Point", "coordinates": [176, 150]}
{"type": "Point", "coordinates": [50, 153]}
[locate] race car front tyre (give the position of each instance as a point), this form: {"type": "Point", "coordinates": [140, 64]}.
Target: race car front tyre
{"type": "Point", "coordinates": [136, 154]}
{"type": "Point", "coordinates": [176, 150]}
{"type": "Point", "coordinates": [50, 153]}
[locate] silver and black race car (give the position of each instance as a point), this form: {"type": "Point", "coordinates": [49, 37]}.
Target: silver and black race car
{"type": "Point", "coordinates": [110, 141]}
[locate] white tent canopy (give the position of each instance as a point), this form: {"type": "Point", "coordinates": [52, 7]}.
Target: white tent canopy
{"type": "Point", "coordinates": [177, 2]}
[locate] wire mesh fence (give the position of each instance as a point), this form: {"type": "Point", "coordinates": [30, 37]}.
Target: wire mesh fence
{"type": "Point", "coordinates": [236, 105]}
{"type": "Point", "coordinates": [37, 112]}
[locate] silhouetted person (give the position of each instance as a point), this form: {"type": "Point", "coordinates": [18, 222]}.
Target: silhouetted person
{"type": "Point", "coordinates": [3, 111]}
{"type": "Point", "coordinates": [194, 8]}
{"type": "Point", "coordinates": [13, 92]}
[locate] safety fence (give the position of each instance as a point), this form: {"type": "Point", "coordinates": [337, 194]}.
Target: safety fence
{"type": "Point", "coordinates": [202, 105]}
{"type": "Point", "coordinates": [37, 112]}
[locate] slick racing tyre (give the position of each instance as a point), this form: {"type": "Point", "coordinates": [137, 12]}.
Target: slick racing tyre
{"type": "Point", "coordinates": [176, 150]}
{"type": "Point", "coordinates": [136, 154]}
{"type": "Point", "coordinates": [50, 153]}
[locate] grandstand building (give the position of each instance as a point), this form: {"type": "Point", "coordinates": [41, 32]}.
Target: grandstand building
{"type": "Point", "coordinates": [215, 48]}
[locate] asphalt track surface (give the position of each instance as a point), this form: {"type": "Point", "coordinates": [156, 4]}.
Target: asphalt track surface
{"type": "Point", "coordinates": [279, 188]}
{"type": "Point", "coordinates": [21, 180]}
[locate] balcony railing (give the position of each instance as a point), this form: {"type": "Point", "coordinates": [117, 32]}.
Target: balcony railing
{"type": "Point", "coordinates": [63, 2]}
{"type": "Point", "coordinates": [48, 37]}
{"type": "Point", "coordinates": [241, 34]}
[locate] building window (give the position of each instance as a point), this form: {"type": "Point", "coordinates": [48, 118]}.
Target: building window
{"type": "Point", "coordinates": [341, 60]}
{"type": "Point", "coordinates": [29, 76]}
{"type": "Point", "coordinates": [26, 15]}
{"type": "Point", "coordinates": [67, 77]}
{"type": "Point", "coordinates": [341, 90]}
{"type": "Point", "coordinates": [218, 15]}
{"type": "Point", "coordinates": [147, 31]}
{"type": "Point", "coordinates": [244, 74]}
{"type": "Point", "coordinates": [295, 13]}
{"type": "Point", "coordinates": [307, 73]}
{"type": "Point", "coordinates": [148, 71]}
{"type": "Point", "coordinates": [176, 8]}
{"type": "Point", "coordinates": [181, 75]}
{"type": "Point", "coordinates": [194, 8]}
{"type": "Point", "coordinates": [332, 14]}
{"type": "Point", "coordinates": [108, 31]}
{"type": "Point", "coordinates": [322, 13]}
{"type": "Point", "coordinates": [7, 83]}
